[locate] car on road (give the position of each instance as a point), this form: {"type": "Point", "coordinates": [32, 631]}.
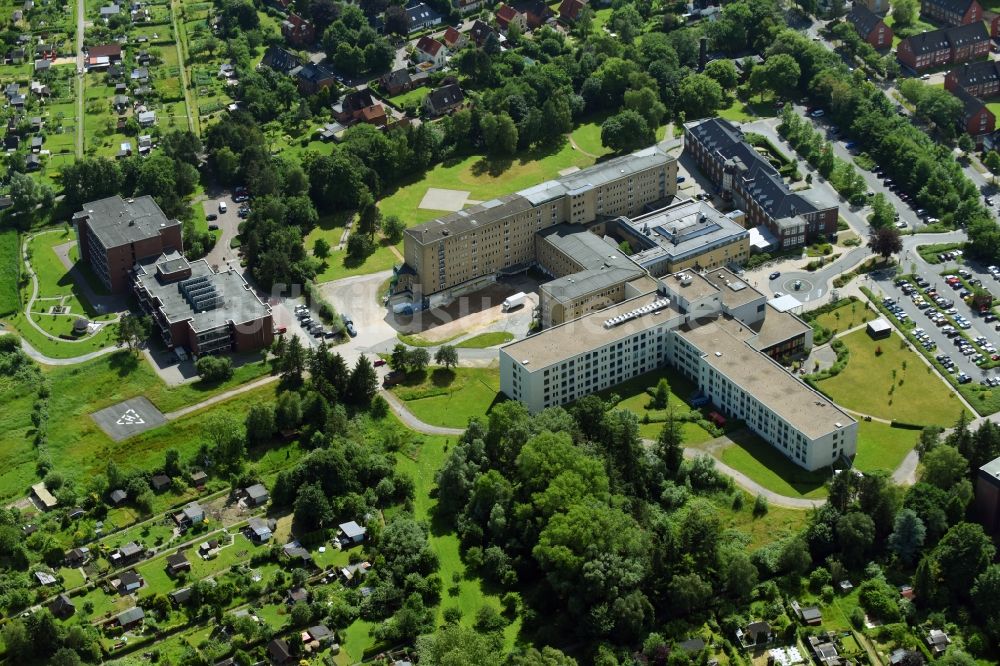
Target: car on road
{"type": "Point", "coordinates": [925, 77]}
{"type": "Point", "coordinates": [379, 362]}
{"type": "Point", "coordinates": [281, 329]}
{"type": "Point", "coordinates": [774, 276]}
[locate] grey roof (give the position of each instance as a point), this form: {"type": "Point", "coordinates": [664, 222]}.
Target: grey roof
{"type": "Point", "coordinates": [399, 77]}
{"type": "Point", "coordinates": [320, 632]}
{"type": "Point", "coordinates": [445, 96]}
{"type": "Point", "coordinates": [257, 491]}
{"type": "Point", "coordinates": [313, 72]}
{"type": "Point", "coordinates": [130, 578]}
{"type": "Point", "coordinates": [603, 265]}
{"type": "Point", "coordinates": [131, 615]}
{"type": "Point", "coordinates": [207, 299]}
{"type": "Point", "coordinates": [352, 529]}
{"type": "Point", "coordinates": [131, 548]}
{"type": "Point", "coordinates": [991, 471]}
{"type": "Point", "coordinates": [971, 105]}
{"type": "Point", "coordinates": [118, 496]}
{"type": "Point", "coordinates": [959, 6]}
{"type": "Point", "coordinates": [947, 38]}
{"type": "Point", "coordinates": [181, 595]}
{"type": "Point", "coordinates": [116, 221]}
{"type": "Point", "coordinates": [177, 559]}
{"type": "Point", "coordinates": [682, 229]}
{"type": "Point", "coordinates": [470, 218]}
{"type": "Point", "coordinates": [975, 73]}
{"type": "Point", "coordinates": [193, 510]}
{"type": "Point", "coordinates": [421, 14]}
{"type": "Point", "coordinates": [279, 59]}
{"type": "Point", "coordinates": [863, 19]}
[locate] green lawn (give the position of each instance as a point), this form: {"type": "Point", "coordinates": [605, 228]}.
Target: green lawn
{"type": "Point", "coordinates": [880, 446]}
{"type": "Point", "coordinates": [54, 281]}
{"type": "Point", "coordinates": [339, 265]}
{"type": "Point", "coordinates": [767, 466]}
{"type": "Point", "coordinates": [847, 316]}
{"type": "Point", "coordinates": [449, 398]}
{"type": "Point", "coordinates": [77, 446]}
{"type": "Point", "coordinates": [588, 137]}
{"type": "Point", "coordinates": [635, 398]}
{"type": "Point", "coordinates": [775, 525]}
{"type": "Point", "coordinates": [741, 112]}
{"type": "Point", "coordinates": [483, 178]}
{"type": "Point", "coordinates": [61, 325]}
{"type": "Point", "coordinates": [10, 270]}
{"type": "Point", "coordinates": [415, 95]}
{"type": "Point", "coordinates": [484, 340]}
{"type": "Point", "coordinates": [886, 379]}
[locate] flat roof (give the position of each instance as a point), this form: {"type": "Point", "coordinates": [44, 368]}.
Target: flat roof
{"type": "Point", "coordinates": [232, 299]}
{"type": "Point", "coordinates": [723, 341]}
{"type": "Point", "coordinates": [991, 469]}
{"type": "Point", "coordinates": [468, 219]}
{"type": "Point", "coordinates": [586, 333]}
{"type": "Point", "coordinates": [879, 325]}
{"type": "Point", "coordinates": [734, 289]}
{"type": "Point", "coordinates": [116, 221]}
{"type": "Point", "coordinates": [690, 285]}
{"type": "Point", "coordinates": [683, 229]}
{"type": "Point", "coordinates": [777, 327]}
{"type": "Point", "coordinates": [784, 303]}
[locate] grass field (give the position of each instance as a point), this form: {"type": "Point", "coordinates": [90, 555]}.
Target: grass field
{"type": "Point", "coordinates": [449, 398]}
{"type": "Point", "coordinates": [75, 443]}
{"type": "Point", "coordinates": [588, 136]}
{"type": "Point", "coordinates": [881, 446]}
{"type": "Point", "coordinates": [635, 398]}
{"type": "Point", "coordinates": [484, 340]}
{"type": "Point", "coordinates": [59, 325]}
{"type": "Point", "coordinates": [886, 379]}
{"type": "Point", "coordinates": [741, 112]}
{"type": "Point", "coordinates": [10, 269]}
{"type": "Point", "coordinates": [845, 317]}
{"type": "Point", "coordinates": [415, 95]}
{"type": "Point", "coordinates": [775, 525]}
{"type": "Point", "coordinates": [54, 280]}
{"type": "Point", "coordinates": [764, 464]}
{"type": "Point", "coordinates": [483, 178]}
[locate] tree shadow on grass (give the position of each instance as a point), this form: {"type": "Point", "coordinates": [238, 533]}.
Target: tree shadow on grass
{"type": "Point", "coordinates": [492, 166]}
{"type": "Point", "coordinates": [442, 377]}
{"type": "Point", "coordinates": [124, 362]}
{"type": "Point", "coordinates": [803, 481]}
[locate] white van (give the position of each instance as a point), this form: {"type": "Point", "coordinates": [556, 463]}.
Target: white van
{"type": "Point", "coordinates": [222, 206]}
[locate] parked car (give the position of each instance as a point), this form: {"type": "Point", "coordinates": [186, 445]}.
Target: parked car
{"type": "Point", "coordinates": [775, 275]}
{"type": "Point", "coordinates": [379, 362]}
{"type": "Point", "coordinates": [818, 113]}
{"type": "Point", "coordinates": [349, 325]}
{"type": "Point", "coordinates": [211, 216]}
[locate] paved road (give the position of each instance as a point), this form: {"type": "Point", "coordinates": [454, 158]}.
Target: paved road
{"type": "Point", "coordinates": [229, 222]}
{"type": "Point", "coordinates": [39, 357]}
{"type": "Point", "coordinates": [222, 397]}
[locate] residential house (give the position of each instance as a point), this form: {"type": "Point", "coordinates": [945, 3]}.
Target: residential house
{"type": "Point", "coordinates": [312, 78]}
{"type": "Point", "coordinates": [877, 6]}
{"type": "Point", "coordinates": [870, 26]}
{"type": "Point", "coordinates": [208, 549]}
{"type": "Point", "coordinates": [296, 553]}
{"type": "Point", "coordinates": [569, 10]}
{"type": "Point", "coordinates": [318, 636]}
{"type": "Point", "coordinates": [29, 529]}
{"type": "Point", "coordinates": [901, 655]}
{"type": "Point", "coordinates": [258, 531]}
{"type": "Point", "coordinates": [130, 618]}
{"type": "Point", "coordinates": [947, 45]}
{"type": "Point", "coordinates": [692, 646]}
{"type": "Point", "coordinates": [36, 144]}
{"type": "Point", "coordinates": [36, 123]}
{"type": "Point", "coordinates": [42, 65]}
{"type": "Point", "coordinates": [256, 495]}
{"type": "Point", "coordinates": [298, 31]}
{"type": "Point", "coordinates": [350, 533]}
{"type": "Point", "coordinates": [181, 596]}
{"type": "Point", "coordinates": [374, 115]}
{"type": "Point", "coordinates": [297, 595]}
{"type": "Point", "coordinates": [993, 20]}
{"type": "Point", "coordinates": [400, 81]}
{"type": "Point", "coordinates": [75, 513]}
{"type": "Point", "coordinates": [127, 554]}
{"type": "Point", "coordinates": [348, 109]}
{"type": "Point", "coordinates": [146, 118]}
{"type": "Point", "coordinates": [129, 582]}
{"type": "Point", "coordinates": [18, 102]}
{"type": "Point", "coordinates": [103, 56]}
{"type": "Point", "coordinates": [32, 162]}
{"type": "Point", "coordinates": [536, 12]}
{"type": "Point", "coordinates": [506, 16]}
{"type": "Point", "coordinates": [825, 650]}
{"type": "Point", "coordinates": [46, 51]}
{"type": "Point", "coordinates": [977, 120]}
{"type": "Point", "coordinates": [159, 481]}
{"type": "Point", "coordinates": [431, 50]}
{"type": "Point", "coordinates": [140, 75]}
{"type": "Point", "coordinates": [199, 478]}
{"type": "Point", "coordinates": [44, 578]}
{"type": "Point", "coordinates": [177, 563]}
{"type": "Point", "coordinates": [279, 60]}
{"type": "Point", "coordinates": [62, 607]}
{"type": "Point", "coordinates": [952, 12]}
{"type": "Point", "coordinates": [466, 6]}
{"type": "Point", "coordinates": [981, 79]}
{"type": "Point", "coordinates": [810, 615]}
{"type": "Point", "coordinates": [40, 89]}
{"type": "Point", "coordinates": [755, 634]}
{"type": "Point", "coordinates": [278, 652]}
{"type": "Point", "coordinates": [11, 142]}
{"type": "Point", "coordinates": [453, 39]}
{"type": "Point", "coordinates": [16, 56]}
{"type": "Point", "coordinates": [444, 100]}
{"type": "Point", "coordinates": [108, 11]}
{"type": "Point", "coordinates": [937, 642]}
{"type": "Point", "coordinates": [192, 514]}
{"type": "Point", "coordinates": [420, 16]}
{"type": "Point", "coordinates": [353, 574]}
{"type": "Point", "coordinates": [480, 32]}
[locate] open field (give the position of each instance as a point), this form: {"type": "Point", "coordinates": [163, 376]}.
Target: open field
{"type": "Point", "coordinates": [449, 398]}
{"type": "Point", "coordinates": [635, 396]}
{"type": "Point", "coordinates": [767, 466]}
{"type": "Point", "coordinates": [886, 379]}
{"type": "Point", "coordinates": [10, 271]}
{"type": "Point", "coordinates": [881, 446]}
{"type": "Point", "coordinates": [776, 524]}
{"type": "Point", "coordinates": [845, 317]}
{"type": "Point", "coordinates": [484, 178]}
{"type": "Point", "coordinates": [588, 136]}
{"type": "Point", "coordinates": [54, 280]}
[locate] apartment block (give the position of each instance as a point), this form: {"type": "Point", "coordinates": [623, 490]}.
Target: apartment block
{"type": "Point", "coordinates": [947, 45]}
{"type": "Point", "coordinates": [870, 26]}
{"type": "Point", "coordinates": [204, 311]}
{"type": "Point", "coordinates": [987, 500]}
{"type": "Point", "coordinates": [462, 251]}
{"type": "Point", "coordinates": [115, 234]}
{"type": "Point", "coordinates": [746, 178]}
{"type": "Point", "coordinates": [715, 329]}
{"type": "Point", "coordinates": [952, 12]}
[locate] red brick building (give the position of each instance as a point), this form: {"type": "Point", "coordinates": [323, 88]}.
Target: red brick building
{"type": "Point", "coordinates": [952, 12]}
{"type": "Point", "coordinates": [114, 234]}
{"type": "Point", "coordinates": [870, 26]}
{"type": "Point", "coordinates": [947, 45]}
{"type": "Point", "coordinates": [981, 79]}
{"type": "Point", "coordinates": [977, 119]}
{"type": "Point", "coordinates": [297, 31]}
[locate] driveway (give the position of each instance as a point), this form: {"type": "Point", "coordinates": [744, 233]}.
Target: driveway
{"type": "Point", "coordinates": [222, 255]}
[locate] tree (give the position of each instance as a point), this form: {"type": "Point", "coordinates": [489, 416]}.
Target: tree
{"type": "Point", "coordinates": [779, 73]}
{"type": "Point", "coordinates": [965, 143]}
{"type": "Point", "coordinates": [455, 644]}
{"type": "Point", "coordinates": [856, 534]}
{"type": "Point", "coordinates": [944, 466]}
{"type": "Point", "coordinates": [883, 214]}
{"type": "Point", "coordinates": [661, 395]}
{"type": "Point", "coordinates": [699, 96]}
{"type": "Point", "coordinates": [418, 359]}
{"type": "Point", "coordinates": [399, 358]}
{"type": "Point", "coordinates": [393, 228]}
{"type": "Point", "coordinates": [396, 21]}
{"type": "Point", "coordinates": [26, 193]}
{"type": "Point", "coordinates": [363, 384]}
{"type": "Point", "coordinates": [646, 102]}
{"type": "Point", "coordinates": [227, 438]}
{"type": "Point", "coordinates": [885, 241]}
{"type": "Point", "coordinates": [288, 412]}
{"type": "Point", "coordinates": [963, 554]}
{"type": "Point", "coordinates": [992, 162]}
{"type": "Point", "coordinates": [907, 536]}
{"type": "Point", "coordinates": [981, 299]}
{"type": "Point", "coordinates": [312, 509]}
{"type": "Point", "coordinates": [321, 248]}
{"type": "Point", "coordinates": [214, 368]}
{"type": "Point", "coordinates": [293, 363]}
{"type": "Point", "coordinates": [904, 12]}
{"type": "Point", "coordinates": [447, 356]}
{"type": "Point", "coordinates": [133, 331]}
{"type": "Point", "coordinates": [626, 131]}
{"type": "Point", "coordinates": [670, 444]}
{"type": "Point", "coordinates": [724, 71]}
{"type": "Point", "coordinates": [260, 423]}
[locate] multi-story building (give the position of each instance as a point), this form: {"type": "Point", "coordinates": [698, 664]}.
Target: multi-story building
{"type": "Point", "coordinates": [987, 502]}
{"type": "Point", "coordinates": [298, 31]}
{"type": "Point", "coordinates": [947, 45]}
{"type": "Point", "coordinates": [197, 308]}
{"type": "Point", "coordinates": [686, 234]}
{"type": "Point", "coordinates": [870, 26]}
{"type": "Point", "coordinates": [952, 12]}
{"type": "Point", "coordinates": [877, 6]}
{"type": "Point", "coordinates": [465, 250]}
{"type": "Point", "coordinates": [745, 177]}
{"type": "Point", "coordinates": [976, 120]}
{"type": "Point", "coordinates": [981, 79]}
{"type": "Point", "coordinates": [115, 234]}
{"type": "Point", "coordinates": [713, 328]}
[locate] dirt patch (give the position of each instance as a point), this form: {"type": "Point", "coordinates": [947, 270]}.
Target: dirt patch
{"type": "Point", "coordinates": [467, 314]}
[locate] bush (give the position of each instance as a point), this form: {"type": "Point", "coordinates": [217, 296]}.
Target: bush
{"type": "Point", "coordinates": [857, 618]}
{"type": "Point", "coordinates": [214, 368]}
